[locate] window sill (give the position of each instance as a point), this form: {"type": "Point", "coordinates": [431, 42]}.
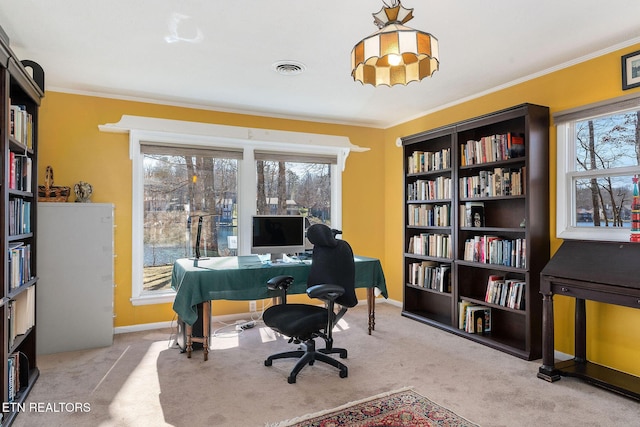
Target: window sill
{"type": "Point", "coordinates": [591, 233]}
{"type": "Point", "coordinates": [154, 298]}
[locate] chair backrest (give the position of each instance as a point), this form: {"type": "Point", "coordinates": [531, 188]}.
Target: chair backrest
{"type": "Point", "coordinates": [332, 263]}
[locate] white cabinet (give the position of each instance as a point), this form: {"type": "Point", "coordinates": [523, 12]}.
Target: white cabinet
{"type": "Point", "coordinates": [75, 268]}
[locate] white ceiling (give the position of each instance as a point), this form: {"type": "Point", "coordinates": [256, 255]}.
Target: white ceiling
{"type": "Point", "coordinates": [225, 49]}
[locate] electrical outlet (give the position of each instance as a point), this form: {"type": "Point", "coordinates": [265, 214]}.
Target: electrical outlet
{"type": "Point", "coordinates": [252, 306]}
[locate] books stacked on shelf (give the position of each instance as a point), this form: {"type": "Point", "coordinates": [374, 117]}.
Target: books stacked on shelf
{"type": "Point", "coordinates": [473, 318]}
{"type": "Point", "coordinates": [427, 161]}
{"type": "Point", "coordinates": [428, 215]}
{"type": "Point", "coordinates": [18, 374]}
{"type": "Point", "coordinates": [21, 314]}
{"type": "Point", "coordinates": [437, 189]}
{"type": "Point", "coordinates": [472, 214]}
{"type": "Point", "coordinates": [430, 244]}
{"type": "Point", "coordinates": [19, 265]}
{"type": "Point", "coordinates": [492, 149]}
{"type": "Point", "coordinates": [430, 275]}
{"type": "Point", "coordinates": [506, 292]}
{"type": "Point", "coordinates": [20, 167]}
{"type": "Point", "coordinates": [21, 125]}
{"type": "Point", "coordinates": [494, 183]}
{"type": "Point", "coordinates": [496, 250]}
{"type": "Point", "coordinates": [19, 216]}
{"type": "Point", "coordinates": [13, 366]}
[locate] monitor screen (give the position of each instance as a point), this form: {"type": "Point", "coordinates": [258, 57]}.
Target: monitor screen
{"type": "Point", "coordinates": [278, 234]}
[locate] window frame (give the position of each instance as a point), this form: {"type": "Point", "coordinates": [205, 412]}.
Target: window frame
{"type": "Point", "coordinates": [152, 131]}
{"type": "Point", "coordinates": [566, 172]}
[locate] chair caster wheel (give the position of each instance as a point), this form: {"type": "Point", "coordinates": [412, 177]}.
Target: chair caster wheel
{"type": "Point", "coordinates": [344, 374]}
{"type": "Point", "coordinates": [268, 362]}
{"type": "Point", "coordinates": [291, 380]}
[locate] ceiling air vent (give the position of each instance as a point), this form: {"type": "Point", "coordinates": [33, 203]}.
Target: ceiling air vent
{"type": "Point", "coordinates": [288, 68]}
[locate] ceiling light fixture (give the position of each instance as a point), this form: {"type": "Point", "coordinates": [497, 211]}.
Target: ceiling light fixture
{"type": "Point", "coordinates": [395, 54]}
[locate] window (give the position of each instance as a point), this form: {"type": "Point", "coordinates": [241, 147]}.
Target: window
{"type": "Point", "coordinates": [183, 170]}
{"type": "Point", "coordinates": [598, 157]}
{"type": "Point", "coordinates": [186, 191]}
{"type": "Point", "coordinates": [294, 185]}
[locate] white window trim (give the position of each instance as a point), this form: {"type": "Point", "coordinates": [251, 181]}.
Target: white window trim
{"type": "Point", "coordinates": [178, 133]}
{"type": "Point", "coordinates": [565, 197]}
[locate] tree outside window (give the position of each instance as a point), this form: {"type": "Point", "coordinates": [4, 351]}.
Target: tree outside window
{"type": "Point", "coordinates": [598, 156]}
{"type": "Point", "coordinates": [178, 191]}
{"type": "Point", "coordinates": [606, 148]}
{"type": "Point", "coordinates": [294, 188]}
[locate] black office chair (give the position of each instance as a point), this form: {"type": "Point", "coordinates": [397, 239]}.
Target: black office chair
{"type": "Point", "coordinates": [332, 280]}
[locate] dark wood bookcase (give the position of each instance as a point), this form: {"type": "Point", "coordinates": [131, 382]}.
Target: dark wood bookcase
{"type": "Point", "coordinates": [509, 188]}
{"type": "Point", "coordinates": [21, 89]}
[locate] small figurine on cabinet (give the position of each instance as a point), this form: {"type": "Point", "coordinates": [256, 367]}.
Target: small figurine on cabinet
{"type": "Point", "coordinates": [83, 192]}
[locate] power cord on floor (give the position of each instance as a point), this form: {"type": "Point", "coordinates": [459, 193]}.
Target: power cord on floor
{"type": "Point", "coordinates": [173, 335]}
{"type": "Point", "coordinates": [237, 327]}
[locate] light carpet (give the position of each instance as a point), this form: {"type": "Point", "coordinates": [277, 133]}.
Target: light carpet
{"type": "Point", "coordinates": [401, 408]}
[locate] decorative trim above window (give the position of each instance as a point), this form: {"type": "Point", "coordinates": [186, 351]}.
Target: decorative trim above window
{"type": "Point", "coordinates": [230, 135]}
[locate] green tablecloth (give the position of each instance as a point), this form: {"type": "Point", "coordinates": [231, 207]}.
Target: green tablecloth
{"type": "Point", "coordinates": [244, 278]}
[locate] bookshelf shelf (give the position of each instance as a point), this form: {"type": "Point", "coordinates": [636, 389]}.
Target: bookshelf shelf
{"type": "Point", "coordinates": [21, 97]}
{"type": "Point", "coordinates": [499, 214]}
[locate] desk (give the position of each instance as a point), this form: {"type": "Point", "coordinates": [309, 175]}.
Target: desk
{"type": "Point", "coordinates": [244, 278]}
{"type": "Point", "coordinates": [596, 271]}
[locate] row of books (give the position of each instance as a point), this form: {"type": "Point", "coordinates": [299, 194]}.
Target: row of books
{"type": "Point", "coordinates": [473, 318]}
{"type": "Point", "coordinates": [437, 189]}
{"type": "Point", "coordinates": [429, 215]}
{"type": "Point", "coordinates": [20, 172]}
{"type": "Point", "coordinates": [426, 161]}
{"type": "Point", "coordinates": [506, 292]}
{"type": "Point", "coordinates": [492, 148]}
{"type": "Point", "coordinates": [19, 265]}
{"type": "Point", "coordinates": [21, 125]}
{"type": "Point", "coordinates": [21, 314]}
{"type": "Point", "coordinates": [496, 250]}
{"type": "Point", "coordinates": [494, 183]}
{"type": "Point", "coordinates": [430, 244]}
{"type": "Point", "coordinates": [17, 369]}
{"type": "Point", "coordinates": [430, 275]}
{"type": "Point", "coordinates": [19, 217]}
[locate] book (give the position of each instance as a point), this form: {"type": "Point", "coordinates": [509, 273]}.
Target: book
{"type": "Point", "coordinates": [462, 313]}
{"type": "Point", "coordinates": [494, 290]}
{"type": "Point", "coordinates": [517, 146]}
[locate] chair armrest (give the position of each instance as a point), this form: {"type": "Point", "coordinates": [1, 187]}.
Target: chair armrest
{"type": "Point", "coordinates": [279, 282]}
{"type": "Point", "coordinates": [282, 284]}
{"type": "Point", "coordinates": [325, 292]}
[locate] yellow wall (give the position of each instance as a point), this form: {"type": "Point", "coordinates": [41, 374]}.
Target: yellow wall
{"type": "Point", "coordinates": [72, 144]}
{"type": "Point", "coordinates": [613, 332]}
{"type": "Point", "coordinates": [372, 195]}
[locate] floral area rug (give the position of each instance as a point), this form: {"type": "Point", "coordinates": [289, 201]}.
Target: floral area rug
{"type": "Point", "coordinates": [403, 408]}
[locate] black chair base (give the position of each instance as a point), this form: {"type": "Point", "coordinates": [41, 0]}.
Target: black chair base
{"type": "Point", "coordinates": [308, 356]}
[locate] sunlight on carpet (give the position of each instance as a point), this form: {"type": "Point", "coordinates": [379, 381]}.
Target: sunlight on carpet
{"type": "Point", "coordinates": [400, 408]}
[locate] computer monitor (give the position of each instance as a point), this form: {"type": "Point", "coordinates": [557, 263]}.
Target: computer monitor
{"type": "Point", "coordinates": [277, 235]}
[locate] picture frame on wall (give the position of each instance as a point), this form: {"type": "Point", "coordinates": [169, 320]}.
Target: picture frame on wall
{"type": "Point", "coordinates": [631, 70]}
